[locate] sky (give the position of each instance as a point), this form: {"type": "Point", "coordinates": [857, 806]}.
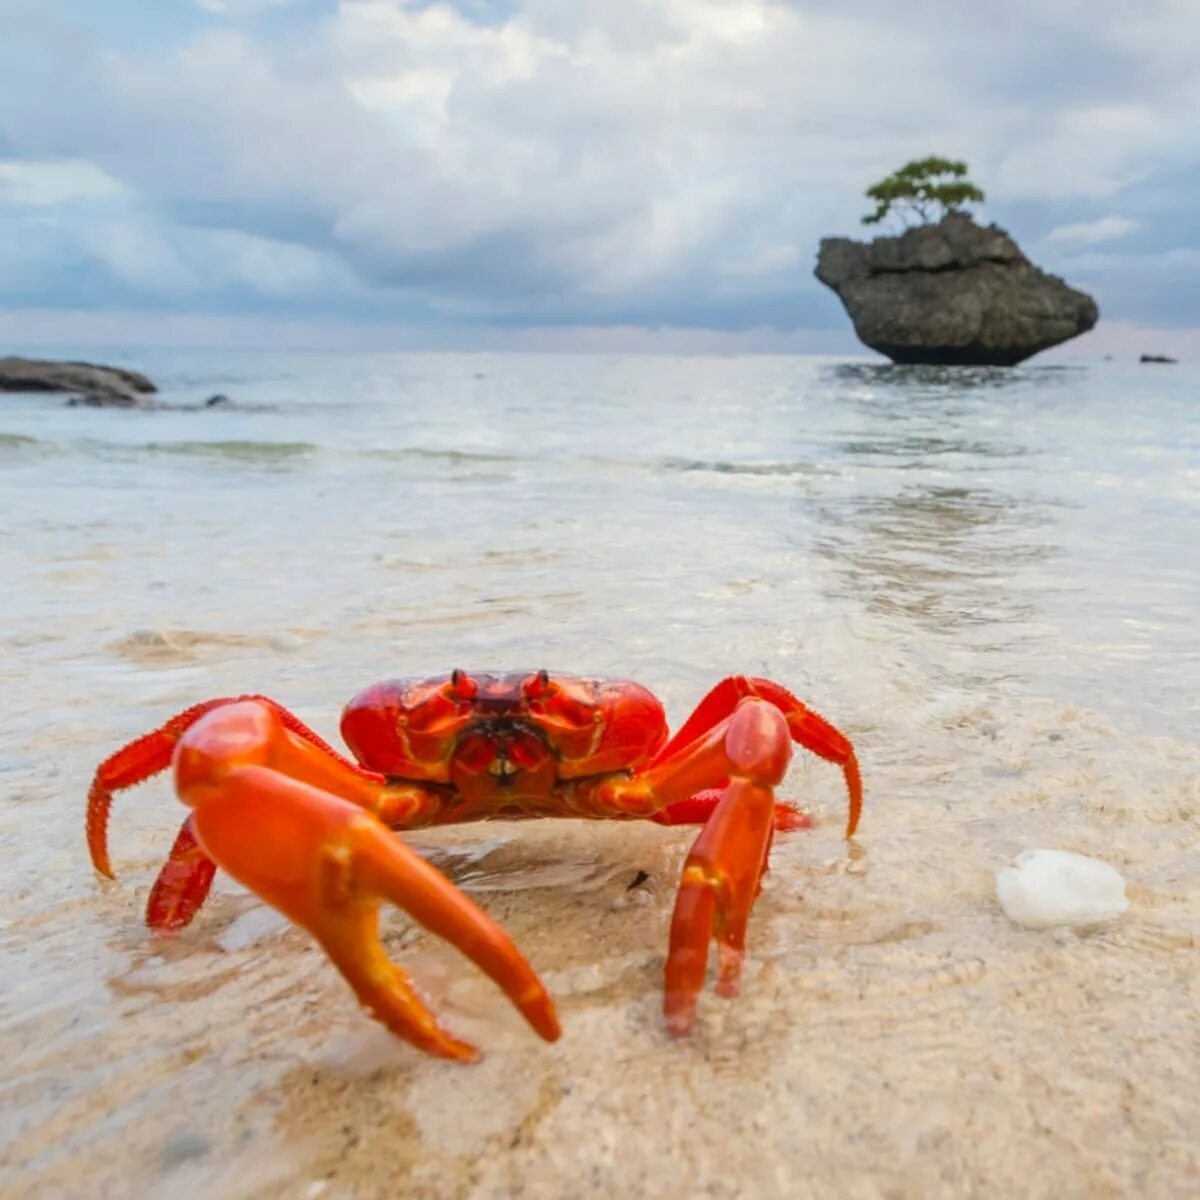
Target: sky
{"type": "Point", "coordinates": [586, 174]}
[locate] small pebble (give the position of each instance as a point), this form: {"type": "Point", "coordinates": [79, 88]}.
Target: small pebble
{"type": "Point", "coordinates": [1044, 888]}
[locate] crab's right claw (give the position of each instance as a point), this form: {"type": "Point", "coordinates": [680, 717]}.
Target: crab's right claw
{"type": "Point", "coordinates": [326, 863]}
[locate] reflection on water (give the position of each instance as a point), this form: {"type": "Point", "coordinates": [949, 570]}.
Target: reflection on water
{"type": "Point", "coordinates": [988, 578]}
{"type": "Point", "coordinates": [947, 535]}
{"type": "Point", "coordinates": [915, 380]}
{"type": "Point", "coordinates": [943, 557]}
{"type": "Point", "coordinates": [914, 451]}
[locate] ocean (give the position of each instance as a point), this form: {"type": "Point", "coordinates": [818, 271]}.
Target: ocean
{"type": "Point", "coordinates": [988, 578]}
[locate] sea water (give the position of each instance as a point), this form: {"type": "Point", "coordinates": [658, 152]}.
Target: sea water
{"type": "Point", "coordinates": [989, 579]}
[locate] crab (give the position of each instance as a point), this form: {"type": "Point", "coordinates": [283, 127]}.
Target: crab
{"type": "Point", "coordinates": [309, 830]}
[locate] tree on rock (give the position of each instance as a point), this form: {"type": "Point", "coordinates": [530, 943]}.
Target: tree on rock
{"type": "Point", "coordinates": [925, 189]}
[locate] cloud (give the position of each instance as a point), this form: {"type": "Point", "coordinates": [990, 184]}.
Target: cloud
{"type": "Point", "coordinates": [624, 161]}
{"type": "Point", "coordinates": [1091, 233]}
{"type": "Point", "coordinates": [1161, 286]}
{"type": "Point", "coordinates": [50, 184]}
{"type": "Point", "coordinates": [237, 8]}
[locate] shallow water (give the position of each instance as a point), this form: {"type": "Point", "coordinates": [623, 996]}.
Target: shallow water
{"type": "Point", "coordinates": [987, 578]}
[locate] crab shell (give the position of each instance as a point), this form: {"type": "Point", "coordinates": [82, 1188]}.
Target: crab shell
{"type": "Point", "coordinates": [503, 737]}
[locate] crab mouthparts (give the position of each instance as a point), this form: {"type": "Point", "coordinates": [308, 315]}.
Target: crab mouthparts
{"type": "Point", "coordinates": [504, 769]}
{"type": "Point", "coordinates": [502, 750]}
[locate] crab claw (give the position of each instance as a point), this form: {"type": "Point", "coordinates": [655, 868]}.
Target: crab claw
{"type": "Point", "coordinates": [327, 863]}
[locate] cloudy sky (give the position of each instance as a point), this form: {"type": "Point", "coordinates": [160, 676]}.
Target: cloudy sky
{"type": "Point", "coordinates": [595, 172]}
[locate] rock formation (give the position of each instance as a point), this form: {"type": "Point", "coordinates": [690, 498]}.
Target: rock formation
{"type": "Point", "coordinates": [952, 293]}
{"type": "Point", "coordinates": [91, 384]}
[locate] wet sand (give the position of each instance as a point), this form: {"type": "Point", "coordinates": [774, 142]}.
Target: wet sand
{"type": "Point", "coordinates": [897, 1036]}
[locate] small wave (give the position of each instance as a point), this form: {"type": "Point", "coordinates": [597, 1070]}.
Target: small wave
{"type": "Point", "coordinates": [220, 403]}
{"type": "Point", "coordinates": [266, 452]}
{"type": "Point", "coordinates": [918, 447]}
{"type": "Point", "coordinates": [453, 457]}
{"type": "Point", "coordinates": [173, 647]}
{"type": "Point", "coordinates": [17, 441]}
{"type": "Point", "coordinates": [723, 467]}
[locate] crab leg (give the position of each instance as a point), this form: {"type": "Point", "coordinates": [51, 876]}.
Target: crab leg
{"type": "Point", "coordinates": [326, 863]}
{"type": "Point", "coordinates": [807, 728]}
{"type": "Point", "coordinates": [182, 884]}
{"type": "Point", "coordinates": [696, 810]}
{"type": "Point", "coordinates": [722, 874]}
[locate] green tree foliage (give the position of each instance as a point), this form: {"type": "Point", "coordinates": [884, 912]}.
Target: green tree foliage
{"type": "Point", "coordinates": [925, 189]}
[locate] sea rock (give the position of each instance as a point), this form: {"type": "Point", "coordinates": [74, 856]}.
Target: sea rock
{"type": "Point", "coordinates": [88, 383]}
{"type": "Point", "coordinates": [1157, 358]}
{"type": "Point", "coordinates": [953, 292]}
{"type": "Point", "coordinates": [1044, 888]}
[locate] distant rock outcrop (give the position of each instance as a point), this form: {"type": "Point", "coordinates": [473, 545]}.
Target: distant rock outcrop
{"type": "Point", "coordinates": [952, 293]}
{"type": "Point", "coordinates": [89, 383]}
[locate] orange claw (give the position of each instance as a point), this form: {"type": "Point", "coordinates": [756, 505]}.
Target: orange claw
{"type": "Point", "coordinates": [723, 873]}
{"type": "Point", "coordinates": [326, 863]}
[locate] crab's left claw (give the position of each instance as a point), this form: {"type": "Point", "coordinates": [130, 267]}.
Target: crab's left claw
{"type": "Point", "coordinates": [327, 863]}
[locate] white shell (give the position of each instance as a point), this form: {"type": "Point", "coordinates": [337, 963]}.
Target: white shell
{"type": "Point", "coordinates": [1043, 888]}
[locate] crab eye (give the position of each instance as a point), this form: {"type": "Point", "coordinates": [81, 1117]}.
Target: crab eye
{"type": "Point", "coordinates": [561, 703]}
{"type": "Point", "coordinates": [462, 686]}
{"type": "Point", "coordinates": [539, 686]}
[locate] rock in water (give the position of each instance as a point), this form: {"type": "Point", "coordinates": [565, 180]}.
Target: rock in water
{"type": "Point", "coordinates": [1043, 888]}
{"type": "Point", "coordinates": [952, 293]}
{"type": "Point", "coordinates": [113, 387]}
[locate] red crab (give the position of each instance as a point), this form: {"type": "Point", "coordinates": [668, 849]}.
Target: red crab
{"type": "Point", "coordinates": [308, 830]}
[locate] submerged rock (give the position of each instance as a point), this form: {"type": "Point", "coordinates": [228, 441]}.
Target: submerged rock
{"type": "Point", "coordinates": [1043, 888]}
{"type": "Point", "coordinates": [88, 383]}
{"type": "Point", "coordinates": [952, 293]}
